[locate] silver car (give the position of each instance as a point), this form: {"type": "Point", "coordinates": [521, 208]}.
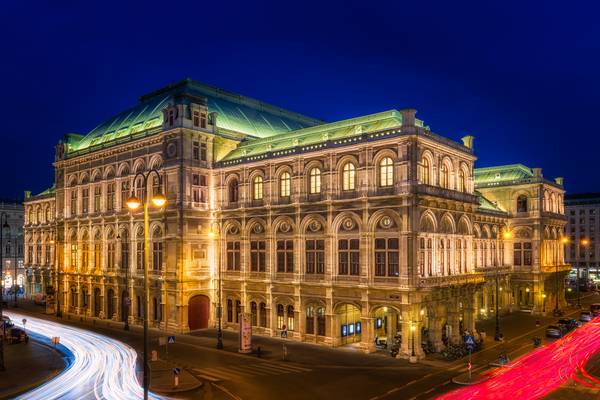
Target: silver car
{"type": "Point", "coordinates": [585, 316]}
{"type": "Point", "coordinates": [554, 331]}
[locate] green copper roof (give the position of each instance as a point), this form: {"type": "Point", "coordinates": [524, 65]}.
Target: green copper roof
{"type": "Point", "coordinates": [339, 130]}
{"type": "Point", "coordinates": [236, 113]}
{"type": "Point", "coordinates": [502, 174]}
{"type": "Point", "coordinates": [486, 205]}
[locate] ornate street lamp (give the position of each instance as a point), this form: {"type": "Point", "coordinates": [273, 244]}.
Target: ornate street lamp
{"type": "Point", "coordinates": [133, 203]}
{"type": "Point", "coordinates": [506, 235]}
{"type": "Point", "coordinates": [215, 230]}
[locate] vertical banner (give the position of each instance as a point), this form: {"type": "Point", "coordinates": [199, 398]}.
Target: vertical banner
{"type": "Point", "coordinates": [245, 333]}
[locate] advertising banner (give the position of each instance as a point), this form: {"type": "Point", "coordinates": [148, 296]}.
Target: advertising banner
{"type": "Point", "coordinates": [245, 333]}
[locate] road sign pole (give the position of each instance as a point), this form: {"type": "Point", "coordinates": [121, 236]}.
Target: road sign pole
{"type": "Point", "coordinates": [469, 367]}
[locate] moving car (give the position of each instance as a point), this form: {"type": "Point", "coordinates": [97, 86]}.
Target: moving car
{"type": "Point", "coordinates": [6, 322]}
{"type": "Point", "coordinates": [553, 331]}
{"type": "Point", "coordinates": [595, 309]}
{"type": "Point", "coordinates": [568, 324]}
{"type": "Point", "coordinates": [585, 316]}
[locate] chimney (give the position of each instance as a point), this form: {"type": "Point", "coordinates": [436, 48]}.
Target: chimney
{"type": "Point", "coordinates": [537, 172]}
{"type": "Point", "coordinates": [468, 141]}
{"type": "Point", "coordinates": [559, 180]}
{"type": "Point", "coordinates": [27, 194]}
{"type": "Point", "coordinates": [408, 117]}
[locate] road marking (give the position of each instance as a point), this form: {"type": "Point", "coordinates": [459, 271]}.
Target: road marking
{"type": "Point", "coordinates": [232, 372]}
{"type": "Point", "coordinates": [225, 390]}
{"type": "Point", "coordinates": [247, 369]}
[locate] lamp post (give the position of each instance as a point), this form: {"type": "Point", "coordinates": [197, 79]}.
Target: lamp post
{"type": "Point", "coordinates": [133, 203]}
{"type": "Point", "coordinates": [3, 225]}
{"type": "Point", "coordinates": [557, 312]}
{"type": "Point", "coordinates": [498, 334]}
{"type": "Point", "coordinates": [215, 226]}
{"type": "Point", "coordinates": [57, 293]}
{"type": "Point", "coordinates": [583, 243]}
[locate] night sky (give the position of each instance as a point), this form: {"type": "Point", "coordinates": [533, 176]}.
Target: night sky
{"type": "Point", "coordinates": [522, 77]}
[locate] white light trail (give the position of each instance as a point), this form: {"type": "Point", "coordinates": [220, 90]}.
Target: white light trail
{"type": "Point", "coordinates": [102, 368]}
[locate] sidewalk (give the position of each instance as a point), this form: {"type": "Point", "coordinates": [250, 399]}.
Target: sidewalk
{"type": "Point", "coordinates": [28, 366]}
{"type": "Point", "coordinates": [163, 378]}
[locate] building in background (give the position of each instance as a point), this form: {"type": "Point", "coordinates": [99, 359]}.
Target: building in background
{"type": "Point", "coordinates": [582, 211]}
{"type": "Point", "coordinates": [12, 254]}
{"type": "Point", "coordinates": [39, 225]}
{"type": "Point", "coordinates": [359, 231]}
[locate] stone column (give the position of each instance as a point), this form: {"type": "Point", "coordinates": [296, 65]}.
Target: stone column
{"type": "Point", "coordinates": [367, 343]}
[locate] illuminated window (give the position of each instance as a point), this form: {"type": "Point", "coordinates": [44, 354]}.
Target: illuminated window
{"type": "Point", "coordinates": [349, 177]}
{"type": "Point", "coordinates": [258, 187]}
{"type": "Point", "coordinates": [285, 184]}
{"type": "Point", "coordinates": [314, 181]}
{"type": "Point", "coordinates": [125, 193]}
{"type": "Point", "coordinates": [73, 255]}
{"type": "Point", "coordinates": [280, 316]}
{"type": "Point", "coordinates": [97, 194]}
{"type": "Point", "coordinates": [310, 320]}
{"type": "Point", "coordinates": [85, 200]}
{"type": "Point", "coordinates": [386, 172]}
{"type": "Point", "coordinates": [462, 186]}
{"type": "Point", "coordinates": [522, 203]}
{"type": "Point", "coordinates": [290, 318]}
{"type": "Point", "coordinates": [444, 176]}
{"type": "Point", "coordinates": [425, 171]}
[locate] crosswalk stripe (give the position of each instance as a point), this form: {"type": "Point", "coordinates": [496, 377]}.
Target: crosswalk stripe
{"type": "Point", "coordinates": [271, 370]}
{"type": "Point", "coordinates": [246, 369]}
{"type": "Point", "coordinates": [218, 373]}
{"type": "Point", "coordinates": [293, 368]}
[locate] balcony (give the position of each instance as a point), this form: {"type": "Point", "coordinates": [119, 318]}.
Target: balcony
{"type": "Point", "coordinates": [446, 193]}
{"type": "Point", "coordinates": [449, 280]}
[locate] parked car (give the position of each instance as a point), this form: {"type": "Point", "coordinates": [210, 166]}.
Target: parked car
{"type": "Point", "coordinates": [553, 331]}
{"type": "Point", "coordinates": [6, 322]}
{"type": "Point", "coordinates": [568, 323]}
{"type": "Point", "coordinates": [585, 316]}
{"type": "Point", "coordinates": [18, 335]}
{"type": "Point", "coordinates": [595, 309]}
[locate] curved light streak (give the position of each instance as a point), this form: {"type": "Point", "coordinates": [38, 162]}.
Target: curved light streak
{"type": "Point", "coordinates": [540, 372]}
{"type": "Point", "coordinates": [102, 368]}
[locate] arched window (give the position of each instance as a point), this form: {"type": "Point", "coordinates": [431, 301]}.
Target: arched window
{"type": "Point", "coordinates": [233, 191]}
{"type": "Point", "coordinates": [257, 185]}
{"type": "Point", "coordinates": [522, 203]}
{"type": "Point", "coordinates": [314, 181]}
{"type": "Point", "coordinates": [425, 171]}
{"type": "Point", "coordinates": [386, 172]}
{"type": "Point", "coordinates": [39, 216]}
{"type": "Point", "coordinates": [124, 250]}
{"type": "Point", "coordinates": [280, 316]}
{"type": "Point", "coordinates": [444, 176]}
{"type": "Point", "coordinates": [310, 320]}
{"type": "Point", "coordinates": [229, 310]}
{"type": "Point", "coordinates": [462, 186]}
{"type": "Point", "coordinates": [285, 181]}
{"type": "Point", "coordinates": [349, 177]}
{"type": "Point", "coordinates": [110, 251]}
{"type": "Point", "coordinates": [48, 215]}
{"type": "Point", "coordinates": [254, 313]}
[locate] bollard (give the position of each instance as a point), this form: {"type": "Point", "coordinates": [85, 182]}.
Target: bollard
{"type": "Point", "coordinates": [258, 352]}
{"type": "Point", "coordinates": [284, 352]}
{"type": "Point", "coordinates": [176, 380]}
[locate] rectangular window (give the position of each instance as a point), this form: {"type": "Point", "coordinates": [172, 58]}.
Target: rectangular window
{"type": "Point", "coordinates": [257, 255]}
{"type": "Point", "coordinates": [387, 257]}
{"type": "Point", "coordinates": [196, 118]}
{"type": "Point", "coordinates": [110, 196]}
{"type": "Point", "coordinates": [85, 200]}
{"type": "Point", "coordinates": [157, 256]}
{"type": "Point", "coordinates": [125, 193]}
{"type": "Point", "coordinates": [196, 150]}
{"type": "Point", "coordinates": [233, 256]}
{"type": "Point", "coordinates": [73, 255]}
{"type": "Point", "coordinates": [202, 151]}
{"type": "Point", "coordinates": [285, 256]}
{"type": "Point", "coordinates": [111, 256]}
{"type": "Point", "coordinates": [97, 195]}
{"type": "Point", "coordinates": [527, 253]}
{"type": "Point", "coordinates": [73, 201]}
{"type": "Point", "coordinates": [203, 120]}
{"type": "Point", "coordinates": [517, 253]}
{"type": "Point", "coordinates": [315, 256]}
{"type": "Point", "coordinates": [139, 254]}
{"type": "Point", "coordinates": [124, 254]}
{"type": "Point", "coordinates": [348, 256]}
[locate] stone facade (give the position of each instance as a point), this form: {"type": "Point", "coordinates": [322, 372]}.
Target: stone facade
{"type": "Point", "coordinates": [582, 211]}
{"type": "Point", "coordinates": [344, 232]}
{"type": "Point", "coordinates": [12, 247]}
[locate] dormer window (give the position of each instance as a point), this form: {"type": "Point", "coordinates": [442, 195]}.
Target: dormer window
{"type": "Point", "coordinates": [203, 120]}
{"type": "Point", "coordinates": [196, 118]}
{"type": "Point", "coordinates": [199, 119]}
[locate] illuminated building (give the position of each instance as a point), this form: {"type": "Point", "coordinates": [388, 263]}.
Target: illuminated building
{"type": "Point", "coordinates": [344, 232]}
{"type": "Point", "coordinates": [582, 211]}
{"type": "Point", "coordinates": [12, 240]}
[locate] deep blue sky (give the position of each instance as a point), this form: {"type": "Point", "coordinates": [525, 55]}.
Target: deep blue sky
{"type": "Point", "coordinates": [522, 77]}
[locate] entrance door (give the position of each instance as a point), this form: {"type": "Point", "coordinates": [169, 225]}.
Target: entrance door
{"type": "Point", "coordinates": [124, 306]}
{"type": "Point", "coordinates": [198, 312]}
{"type": "Point", "coordinates": [110, 304]}
{"type": "Point", "coordinates": [97, 302]}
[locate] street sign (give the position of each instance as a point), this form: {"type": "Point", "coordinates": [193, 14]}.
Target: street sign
{"type": "Point", "coordinates": [24, 321]}
{"type": "Point", "coordinates": [171, 339]}
{"type": "Point", "coordinates": [176, 371]}
{"type": "Point", "coordinates": [470, 342]}
{"type": "Point", "coordinates": [284, 332]}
